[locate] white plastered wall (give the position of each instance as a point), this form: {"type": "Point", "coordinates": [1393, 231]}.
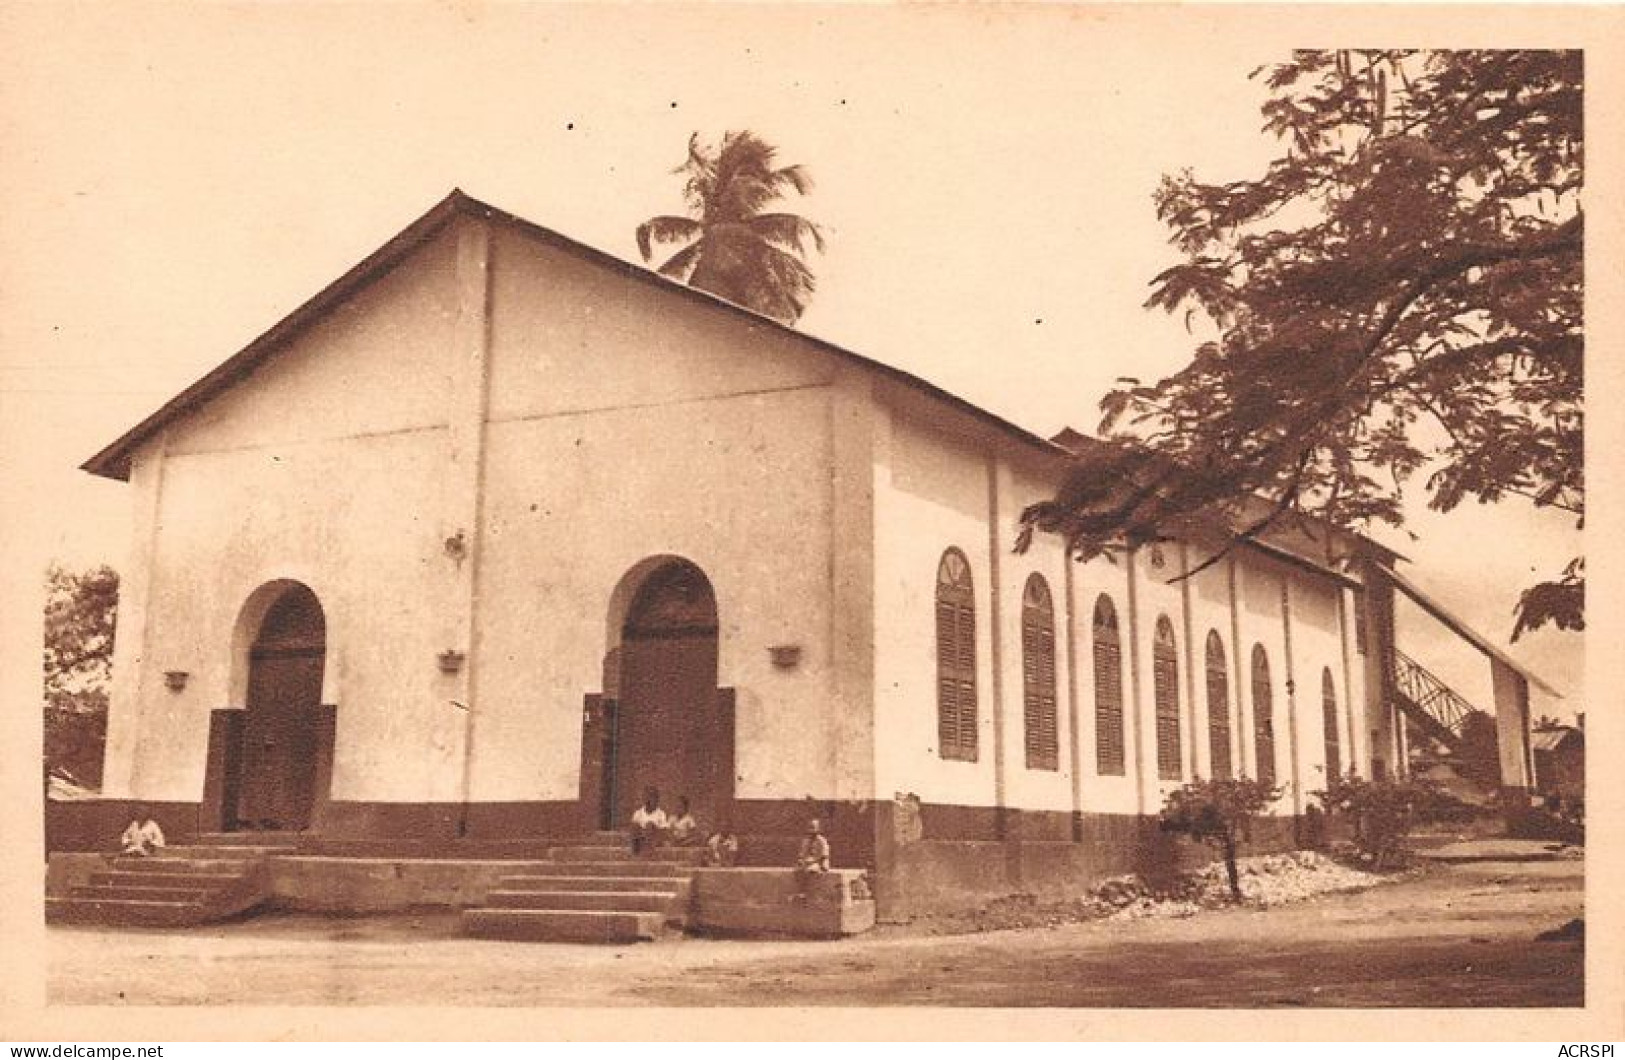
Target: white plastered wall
{"type": "Point", "coordinates": [931, 493]}
{"type": "Point", "coordinates": [290, 474]}
{"type": "Point", "coordinates": [626, 423]}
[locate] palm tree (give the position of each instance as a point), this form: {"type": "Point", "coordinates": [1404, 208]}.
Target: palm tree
{"type": "Point", "coordinates": [734, 250]}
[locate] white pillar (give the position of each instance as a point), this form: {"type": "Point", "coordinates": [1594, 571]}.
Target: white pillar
{"type": "Point", "coordinates": [995, 553]}
{"type": "Point", "coordinates": [1145, 780]}
{"type": "Point", "coordinates": [1074, 740]}
{"type": "Point", "coordinates": [463, 518]}
{"type": "Point", "coordinates": [133, 668]}
{"type": "Point", "coordinates": [1197, 758]}
{"type": "Point", "coordinates": [1294, 757]}
{"type": "Point", "coordinates": [1511, 690]}
{"type": "Point", "coordinates": [1245, 746]}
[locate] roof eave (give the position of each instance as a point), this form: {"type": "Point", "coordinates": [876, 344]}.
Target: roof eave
{"type": "Point", "coordinates": [114, 461]}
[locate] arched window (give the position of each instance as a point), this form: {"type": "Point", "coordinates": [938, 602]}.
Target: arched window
{"type": "Point", "coordinates": [1218, 707]}
{"type": "Point", "coordinates": [1038, 674]}
{"type": "Point", "coordinates": [1165, 683]}
{"type": "Point", "coordinates": [956, 658]}
{"type": "Point", "coordinates": [1328, 709]}
{"type": "Point", "coordinates": [1263, 716]}
{"type": "Point", "coordinates": [1108, 690]}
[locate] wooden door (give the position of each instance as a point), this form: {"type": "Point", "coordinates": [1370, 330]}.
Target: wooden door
{"type": "Point", "coordinates": [282, 722]}
{"type": "Point", "coordinates": [662, 737]}
{"type": "Point", "coordinates": [673, 730]}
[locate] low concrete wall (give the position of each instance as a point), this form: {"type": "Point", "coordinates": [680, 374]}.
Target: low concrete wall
{"type": "Point", "coordinates": [65, 871]}
{"type": "Point", "coordinates": [759, 902]}
{"type": "Point", "coordinates": [381, 885]}
{"type": "Point", "coordinates": [935, 875]}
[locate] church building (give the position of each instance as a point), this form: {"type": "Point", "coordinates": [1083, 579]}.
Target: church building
{"type": "Point", "coordinates": [499, 531]}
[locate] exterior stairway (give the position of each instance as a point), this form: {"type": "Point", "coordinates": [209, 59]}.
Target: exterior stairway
{"type": "Point", "coordinates": [1435, 708]}
{"type": "Point", "coordinates": [179, 886]}
{"type": "Point", "coordinates": [599, 892]}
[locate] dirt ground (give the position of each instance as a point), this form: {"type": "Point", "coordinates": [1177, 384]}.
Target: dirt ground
{"type": "Point", "coordinates": [1457, 936]}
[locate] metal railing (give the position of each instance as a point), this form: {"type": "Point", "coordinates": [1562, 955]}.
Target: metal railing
{"type": "Point", "coordinates": [1441, 703]}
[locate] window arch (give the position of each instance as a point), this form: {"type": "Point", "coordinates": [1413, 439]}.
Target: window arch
{"type": "Point", "coordinates": [1165, 683]}
{"type": "Point", "coordinates": [1218, 707]}
{"type": "Point", "coordinates": [1328, 709]}
{"type": "Point", "coordinates": [1108, 652]}
{"type": "Point", "coordinates": [1038, 674]}
{"type": "Point", "coordinates": [956, 658]}
{"type": "Point", "coordinates": [1263, 716]}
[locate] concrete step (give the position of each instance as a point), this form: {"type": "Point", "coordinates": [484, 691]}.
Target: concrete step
{"type": "Point", "coordinates": [615, 901]}
{"type": "Point", "coordinates": [121, 878]}
{"type": "Point", "coordinates": [141, 913]}
{"type": "Point", "coordinates": [252, 839]}
{"type": "Point", "coordinates": [116, 893]}
{"type": "Point", "coordinates": [638, 867]}
{"type": "Point", "coordinates": [430, 849]}
{"type": "Point", "coordinates": [563, 925]}
{"type": "Point", "coordinates": [562, 881]}
{"type": "Point", "coordinates": [672, 855]}
{"type": "Point", "coordinates": [217, 851]}
{"type": "Point", "coordinates": [178, 864]}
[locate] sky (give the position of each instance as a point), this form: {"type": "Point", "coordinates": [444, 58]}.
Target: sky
{"type": "Point", "coordinates": [179, 177]}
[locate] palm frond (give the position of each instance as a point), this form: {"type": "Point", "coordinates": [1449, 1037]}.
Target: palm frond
{"type": "Point", "coordinates": [665, 229]}
{"type": "Point", "coordinates": [736, 251]}
{"type": "Point", "coordinates": [788, 231]}
{"type": "Point", "coordinates": [795, 177]}
{"type": "Point", "coordinates": [681, 264]}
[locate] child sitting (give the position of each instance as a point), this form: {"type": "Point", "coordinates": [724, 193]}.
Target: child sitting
{"type": "Point", "coordinates": [722, 849]}
{"type": "Point", "coordinates": [142, 838]}
{"type": "Point", "coordinates": [685, 831]}
{"type": "Point", "coordinates": [814, 859]}
{"type": "Point", "coordinates": [649, 823]}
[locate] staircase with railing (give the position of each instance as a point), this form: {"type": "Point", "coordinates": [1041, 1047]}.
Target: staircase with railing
{"type": "Point", "coordinates": [1436, 708]}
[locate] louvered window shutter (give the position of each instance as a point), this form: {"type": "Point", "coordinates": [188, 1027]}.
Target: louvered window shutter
{"type": "Point", "coordinates": [1165, 679]}
{"type": "Point", "coordinates": [1038, 675]}
{"type": "Point", "coordinates": [1218, 708]}
{"type": "Point", "coordinates": [1328, 708]}
{"type": "Point", "coordinates": [1108, 655]}
{"type": "Point", "coordinates": [956, 658]}
{"type": "Point", "coordinates": [1263, 716]}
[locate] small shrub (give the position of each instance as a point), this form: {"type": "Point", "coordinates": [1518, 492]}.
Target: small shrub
{"type": "Point", "coordinates": [1382, 812]}
{"type": "Point", "coordinates": [1219, 813]}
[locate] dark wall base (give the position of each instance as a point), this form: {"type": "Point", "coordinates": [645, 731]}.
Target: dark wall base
{"type": "Point", "coordinates": [96, 824]}
{"type": "Point", "coordinates": [935, 858]}
{"type": "Point", "coordinates": [924, 858]}
{"type": "Point", "coordinates": [770, 831]}
{"type": "Point", "coordinates": [450, 820]}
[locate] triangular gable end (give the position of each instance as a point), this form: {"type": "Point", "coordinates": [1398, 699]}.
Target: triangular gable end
{"type": "Point", "coordinates": [114, 461]}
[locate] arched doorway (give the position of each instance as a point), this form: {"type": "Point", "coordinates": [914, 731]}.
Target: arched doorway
{"type": "Point", "coordinates": [666, 725]}
{"type": "Point", "coordinates": [283, 720]}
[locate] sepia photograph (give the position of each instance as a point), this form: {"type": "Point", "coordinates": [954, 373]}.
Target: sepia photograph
{"type": "Point", "coordinates": [769, 507]}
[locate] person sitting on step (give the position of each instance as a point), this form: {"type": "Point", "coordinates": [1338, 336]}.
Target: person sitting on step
{"type": "Point", "coordinates": [685, 831]}
{"type": "Point", "coordinates": [142, 838]}
{"type": "Point", "coordinates": [814, 859]}
{"type": "Point", "coordinates": [722, 849]}
{"type": "Point", "coordinates": [649, 823]}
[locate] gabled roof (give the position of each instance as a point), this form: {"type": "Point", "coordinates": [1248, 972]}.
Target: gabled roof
{"type": "Point", "coordinates": [1464, 631]}
{"type": "Point", "coordinates": [1282, 544]}
{"type": "Point", "coordinates": [114, 461]}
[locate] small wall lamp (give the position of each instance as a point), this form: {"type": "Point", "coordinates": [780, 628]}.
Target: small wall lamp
{"type": "Point", "coordinates": [451, 661]}
{"type": "Point", "coordinates": [175, 680]}
{"type": "Point", "coordinates": [785, 656]}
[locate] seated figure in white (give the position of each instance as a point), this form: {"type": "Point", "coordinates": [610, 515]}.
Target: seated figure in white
{"type": "Point", "coordinates": [142, 838]}
{"type": "Point", "coordinates": [649, 823]}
